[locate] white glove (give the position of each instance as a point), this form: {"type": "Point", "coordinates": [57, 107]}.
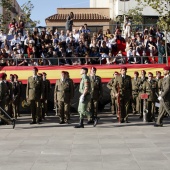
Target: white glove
{"type": "Point", "coordinates": [160, 92]}
{"type": "Point", "coordinates": [159, 98]}
{"type": "Point", "coordinates": [82, 98]}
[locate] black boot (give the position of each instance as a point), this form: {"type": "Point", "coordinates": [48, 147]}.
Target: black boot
{"type": "Point", "coordinates": [96, 119]}
{"type": "Point", "coordinates": [80, 125]}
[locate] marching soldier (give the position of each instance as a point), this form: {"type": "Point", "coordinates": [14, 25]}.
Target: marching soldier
{"type": "Point", "coordinates": [96, 93]}
{"type": "Point", "coordinates": [15, 94]}
{"type": "Point", "coordinates": [113, 93]}
{"type": "Point", "coordinates": [135, 92]}
{"type": "Point", "coordinates": [62, 97]}
{"type": "Point", "coordinates": [47, 89]}
{"type": "Point", "coordinates": [34, 93]}
{"type": "Point", "coordinates": [164, 97]}
{"type": "Point", "coordinates": [18, 83]}
{"type": "Point", "coordinates": [85, 98]}
{"type": "Point", "coordinates": [150, 87]}
{"type": "Point", "coordinates": [123, 83]}
{"type": "Point", "coordinates": [72, 91]}
{"type": "Point", "coordinates": [159, 81]}
{"type": "Point", "coordinates": [143, 78]}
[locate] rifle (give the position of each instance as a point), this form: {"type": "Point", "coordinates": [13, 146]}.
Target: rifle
{"type": "Point", "coordinates": [118, 101]}
{"type": "Point", "coordinates": [6, 114]}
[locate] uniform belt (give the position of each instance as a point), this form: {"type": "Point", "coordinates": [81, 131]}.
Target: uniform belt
{"type": "Point", "coordinates": [32, 88]}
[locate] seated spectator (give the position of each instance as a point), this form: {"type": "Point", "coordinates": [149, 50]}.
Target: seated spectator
{"type": "Point", "coordinates": [139, 45]}
{"type": "Point", "coordinates": [86, 30]}
{"type": "Point", "coordinates": [30, 48]}
{"type": "Point", "coordinates": [113, 42]}
{"type": "Point", "coordinates": [108, 33]}
{"type": "Point", "coordinates": [32, 61]}
{"type": "Point", "coordinates": [152, 31]}
{"type": "Point", "coordinates": [94, 52]}
{"type": "Point", "coordinates": [70, 38]}
{"type": "Point", "coordinates": [3, 37]}
{"type": "Point", "coordinates": [20, 50]}
{"type": "Point", "coordinates": [15, 41]}
{"type": "Point", "coordinates": [119, 58]}
{"type": "Point", "coordinates": [104, 51]}
{"type": "Point", "coordinates": [159, 34]}
{"type": "Point", "coordinates": [81, 50]}
{"type": "Point", "coordinates": [100, 35]}
{"type": "Point", "coordinates": [21, 61]}
{"type": "Point", "coordinates": [151, 46]}
{"type": "Point", "coordinates": [76, 35]}
{"type": "Point", "coordinates": [56, 32]}
{"type": "Point", "coordinates": [110, 59]}
{"type": "Point", "coordinates": [134, 59]}
{"type": "Point", "coordinates": [62, 38]}
{"type": "Point", "coordinates": [69, 53]}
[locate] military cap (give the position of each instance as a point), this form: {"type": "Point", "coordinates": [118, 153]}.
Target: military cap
{"type": "Point", "coordinates": [84, 68]}
{"type": "Point", "coordinates": [15, 75]}
{"type": "Point", "coordinates": [44, 73]}
{"type": "Point", "coordinates": [149, 73]}
{"type": "Point", "coordinates": [11, 75]}
{"type": "Point", "coordinates": [35, 68]}
{"type": "Point", "coordinates": [158, 72]}
{"type": "Point", "coordinates": [63, 72]}
{"type": "Point", "coordinates": [143, 71]}
{"type": "Point", "coordinates": [136, 73]}
{"type": "Point", "coordinates": [167, 68]}
{"type": "Point", "coordinates": [93, 68]}
{"type": "Point", "coordinates": [115, 73]}
{"type": "Point", "coordinates": [123, 68]}
{"type": "Point", "coordinates": [66, 72]}
{"type": "Point", "coordinates": [40, 74]}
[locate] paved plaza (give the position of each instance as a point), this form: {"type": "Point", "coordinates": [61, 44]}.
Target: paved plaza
{"type": "Point", "coordinates": [109, 146]}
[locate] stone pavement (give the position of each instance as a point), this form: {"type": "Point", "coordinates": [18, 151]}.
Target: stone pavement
{"type": "Point", "coordinates": [109, 146]}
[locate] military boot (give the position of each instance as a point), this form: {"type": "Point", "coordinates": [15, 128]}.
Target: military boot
{"type": "Point", "coordinates": [80, 125]}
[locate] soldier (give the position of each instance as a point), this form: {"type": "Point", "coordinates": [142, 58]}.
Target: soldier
{"type": "Point", "coordinates": [34, 93]}
{"type": "Point", "coordinates": [18, 83]}
{"type": "Point", "coordinates": [3, 96]}
{"type": "Point", "coordinates": [96, 93]}
{"type": "Point", "coordinates": [159, 81]}
{"type": "Point", "coordinates": [62, 97]}
{"type": "Point", "coordinates": [47, 89]}
{"type": "Point", "coordinates": [143, 78]}
{"type": "Point", "coordinates": [135, 92]}
{"type": "Point", "coordinates": [72, 87]}
{"type": "Point", "coordinates": [123, 81]}
{"type": "Point", "coordinates": [164, 97]}
{"type": "Point", "coordinates": [150, 87]}
{"type": "Point", "coordinates": [15, 93]}
{"type": "Point", "coordinates": [113, 93]}
{"type": "Point", "coordinates": [85, 98]}
{"type": "Point", "coordinates": [8, 109]}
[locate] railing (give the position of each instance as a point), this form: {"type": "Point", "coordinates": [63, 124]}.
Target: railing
{"type": "Point", "coordinates": [80, 60]}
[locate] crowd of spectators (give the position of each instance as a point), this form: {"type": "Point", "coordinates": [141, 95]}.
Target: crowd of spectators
{"type": "Point", "coordinates": [23, 47]}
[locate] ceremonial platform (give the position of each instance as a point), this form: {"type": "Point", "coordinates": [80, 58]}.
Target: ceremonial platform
{"type": "Point", "coordinates": [53, 72]}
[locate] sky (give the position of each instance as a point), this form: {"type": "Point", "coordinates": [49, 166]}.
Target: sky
{"type": "Point", "coordinates": [45, 8]}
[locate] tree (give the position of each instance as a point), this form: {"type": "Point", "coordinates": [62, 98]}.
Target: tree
{"type": "Point", "coordinates": [163, 8]}
{"type": "Point", "coordinates": [26, 14]}
{"type": "Point", "coordinates": [5, 18]}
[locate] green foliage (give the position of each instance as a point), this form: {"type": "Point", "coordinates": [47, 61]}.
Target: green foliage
{"type": "Point", "coordinates": [6, 18]}
{"type": "Point", "coordinates": [163, 8]}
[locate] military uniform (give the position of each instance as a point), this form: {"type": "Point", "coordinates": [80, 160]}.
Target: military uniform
{"type": "Point", "coordinates": [15, 93]}
{"type": "Point", "coordinates": [62, 96]}
{"type": "Point", "coordinates": [135, 94]}
{"type": "Point", "coordinates": [34, 93]}
{"type": "Point", "coordinates": [113, 97]}
{"type": "Point", "coordinates": [142, 80]}
{"type": "Point", "coordinates": [150, 88]}
{"type": "Point", "coordinates": [165, 96]}
{"type": "Point", "coordinates": [96, 93]}
{"type": "Point", "coordinates": [4, 94]}
{"type": "Point", "coordinates": [125, 85]}
{"type": "Point", "coordinates": [83, 106]}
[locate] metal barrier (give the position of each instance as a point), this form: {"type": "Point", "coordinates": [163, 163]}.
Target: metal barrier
{"type": "Point", "coordinates": [100, 60]}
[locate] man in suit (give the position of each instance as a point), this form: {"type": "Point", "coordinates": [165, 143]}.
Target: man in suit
{"type": "Point", "coordinates": [135, 92]}
{"type": "Point", "coordinates": [72, 91]}
{"type": "Point", "coordinates": [47, 89]}
{"type": "Point", "coordinates": [123, 82]}
{"type": "Point", "coordinates": [96, 93]}
{"type": "Point", "coordinates": [150, 87]}
{"type": "Point", "coordinates": [18, 83]}
{"type": "Point", "coordinates": [34, 93]}
{"type": "Point", "coordinates": [113, 93]}
{"type": "Point", "coordinates": [62, 97]}
{"type": "Point", "coordinates": [164, 97]}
